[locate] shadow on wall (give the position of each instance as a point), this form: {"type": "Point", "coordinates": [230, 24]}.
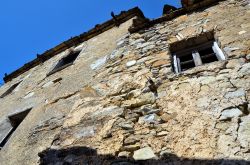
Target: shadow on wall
{"type": "Point", "coordinates": [89, 156]}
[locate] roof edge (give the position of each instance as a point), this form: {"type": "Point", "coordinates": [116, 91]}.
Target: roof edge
{"type": "Point", "coordinates": [139, 24]}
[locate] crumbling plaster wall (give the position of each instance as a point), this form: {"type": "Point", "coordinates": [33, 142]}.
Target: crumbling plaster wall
{"type": "Point", "coordinates": [202, 113]}
{"type": "Point", "coordinates": [50, 97]}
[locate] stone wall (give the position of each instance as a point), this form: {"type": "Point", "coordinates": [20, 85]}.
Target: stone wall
{"type": "Point", "coordinates": [50, 97]}
{"type": "Point", "coordinates": [107, 108]}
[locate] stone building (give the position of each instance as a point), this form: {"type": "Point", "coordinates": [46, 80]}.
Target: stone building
{"type": "Point", "coordinates": [173, 90]}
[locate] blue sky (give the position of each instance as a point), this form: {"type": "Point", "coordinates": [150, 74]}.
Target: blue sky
{"type": "Point", "coordinates": [30, 27]}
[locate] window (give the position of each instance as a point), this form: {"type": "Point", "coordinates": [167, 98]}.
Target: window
{"type": "Point", "coordinates": [10, 90]}
{"type": "Point", "coordinates": [195, 56]}
{"type": "Point", "coordinates": [65, 62]}
{"type": "Point", "coordinates": [15, 120]}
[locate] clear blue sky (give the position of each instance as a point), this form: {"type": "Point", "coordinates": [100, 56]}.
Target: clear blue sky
{"type": "Point", "coordinates": [28, 27]}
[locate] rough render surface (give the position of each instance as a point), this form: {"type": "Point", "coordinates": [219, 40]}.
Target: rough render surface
{"type": "Point", "coordinates": [103, 104]}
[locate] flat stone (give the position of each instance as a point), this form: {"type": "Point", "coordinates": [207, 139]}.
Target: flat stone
{"type": "Point", "coordinates": [108, 111]}
{"type": "Point", "coordinates": [242, 32]}
{"type": "Point", "coordinates": [152, 118]}
{"type": "Point", "coordinates": [166, 117]}
{"type": "Point", "coordinates": [245, 70]}
{"type": "Point", "coordinates": [143, 45]}
{"type": "Point", "coordinates": [98, 63]}
{"type": "Point", "coordinates": [144, 154]}
{"type": "Point", "coordinates": [29, 95]}
{"type": "Point", "coordinates": [162, 133]}
{"type": "Point", "coordinates": [248, 57]}
{"type": "Point", "coordinates": [147, 98]}
{"type": "Point", "coordinates": [126, 126]}
{"type": "Point", "coordinates": [136, 42]}
{"type": "Point", "coordinates": [146, 110]}
{"type": "Point", "coordinates": [244, 132]}
{"type": "Point", "coordinates": [125, 154]}
{"type": "Point", "coordinates": [145, 49]}
{"type": "Point", "coordinates": [131, 140]}
{"type": "Point", "coordinates": [230, 49]}
{"type": "Point", "coordinates": [131, 148]}
{"type": "Point", "coordinates": [230, 113]}
{"type": "Point", "coordinates": [238, 93]}
{"type": "Point", "coordinates": [131, 63]}
{"type": "Point", "coordinates": [160, 63]}
{"type": "Point", "coordinates": [85, 132]}
{"type": "Point", "coordinates": [48, 84]}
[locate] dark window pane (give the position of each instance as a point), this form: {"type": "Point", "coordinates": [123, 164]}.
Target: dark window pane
{"type": "Point", "coordinates": [187, 65]}
{"type": "Point", "coordinates": [186, 62]}
{"type": "Point", "coordinates": [207, 55]}
{"type": "Point", "coordinates": [65, 62]}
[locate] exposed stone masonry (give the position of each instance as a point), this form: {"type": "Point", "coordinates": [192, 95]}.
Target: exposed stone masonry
{"type": "Point", "coordinates": [199, 115]}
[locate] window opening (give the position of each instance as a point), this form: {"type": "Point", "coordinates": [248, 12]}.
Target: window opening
{"type": "Point", "coordinates": [65, 62]}
{"type": "Point", "coordinates": [188, 58]}
{"type": "Point", "coordinates": [10, 90]}
{"type": "Point", "coordinates": [15, 121]}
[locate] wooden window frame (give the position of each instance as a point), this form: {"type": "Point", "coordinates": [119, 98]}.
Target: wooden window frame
{"type": "Point", "coordinates": [196, 56]}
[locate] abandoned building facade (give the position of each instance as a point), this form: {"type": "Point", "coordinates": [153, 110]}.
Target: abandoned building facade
{"type": "Point", "coordinates": [171, 89]}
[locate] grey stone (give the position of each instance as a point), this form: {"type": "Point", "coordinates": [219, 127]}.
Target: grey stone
{"type": "Point", "coordinates": [152, 118]}
{"type": "Point", "coordinates": [230, 49]}
{"type": "Point", "coordinates": [131, 63]}
{"type": "Point", "coordinates": [115, 53]}
{"type": "Point", "coordinates": [29, 95]}
{"type": "Point", "coordinates": [124, 154]}
{"type": "Point", "coordinates": [85, 132]}
{"type": "Point", "coordinates": [245, 70]}
{"type": "Point", "coordinates": [121, 43]}
{"type": "Point", "coordinates": [230, 113]}
{"type": "Point", "coordinates": [145, 49]}
{"type": "Point", "coordinates": [248, 57]}
{"type": "Point", "coordinates": [238, 93]}
{"type": "Point", "coordinates": [155, 71]}
{"type": "Point", "coordinates": [144, 154]}
{"type": "Point", "coordinates": [146, 44]}
{"type": "Point", "coordinates": [162, 133]}
{"type": "Point", "coordinates": [131, 148]}
{"type": "Point", "coordinates": [98, 63]}
{"type": "Point", "coordinates": [126, 126]}
{"type": "Point", "coordinates": [244, 132]}
{"type": "Point", "coordinates": [131, 140]}
{"type": "Point", "coordinates": [135, 42]}
{"type": "Point", "coordinates": [146, 110]}
{"type": "Point", "coordinates": [108, 111]}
